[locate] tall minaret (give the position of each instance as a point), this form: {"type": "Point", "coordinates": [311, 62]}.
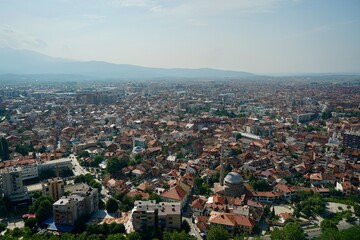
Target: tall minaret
{"type": "Point", "coordinates": [222, 165]}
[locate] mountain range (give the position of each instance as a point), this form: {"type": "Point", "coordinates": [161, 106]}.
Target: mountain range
{"type": "Point", "coordinates": [26, 62]}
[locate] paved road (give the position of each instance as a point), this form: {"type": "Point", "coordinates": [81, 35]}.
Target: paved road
{"type": "Point", "coordinates": [77, 168]}
{"type": "Point", "coordinates": [192, 228]}
{"type": "Point", "coordinates": [187, 216]}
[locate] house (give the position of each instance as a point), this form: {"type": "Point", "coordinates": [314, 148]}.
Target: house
{"type": "Point", "coordinates": [175, 194]}
{"type": "Point", "coordinates": [345, 187]}
{"type": "Point", "coordinates": [232, 222]}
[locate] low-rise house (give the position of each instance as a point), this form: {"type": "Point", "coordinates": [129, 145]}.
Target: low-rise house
{"type": "Point", "coordinates": [175, 194]}
{"type": "Point", "coordinates": [234, 223]}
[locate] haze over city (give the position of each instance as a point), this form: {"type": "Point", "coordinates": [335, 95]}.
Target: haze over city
{"type": "Point", "coordinates": [257, 36]}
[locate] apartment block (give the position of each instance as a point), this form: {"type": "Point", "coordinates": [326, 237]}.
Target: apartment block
{"type": "Point", "coordinates": [352, 140]}
{"type": "Point", "coordinates": [11, 184]}
{"type": "Point", "coordinates": [53, 187]}
{"type": "Point", "coordinates": [150, 214]}
{"type": "Point", "coordinates": [67, 210]}
{"type": "Point", "coordinates": [83, 200]}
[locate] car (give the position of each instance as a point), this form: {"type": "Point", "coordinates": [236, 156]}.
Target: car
{"type": "Point", "coordinates": [192, 234]}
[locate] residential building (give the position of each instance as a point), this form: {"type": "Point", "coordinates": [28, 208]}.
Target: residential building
{"type": "Point", "coordinates": [11, 184]}
{"type": "Point", "coordinates": [83, 200]}
{"type": "Point", "coordinates": [352, 140]}
{"type": "Point", "coordinates": [150, 214]}
{"type": "Point", "coordinates": [67, 210]}
{"type": "Point", "coordinates": [53, 187]}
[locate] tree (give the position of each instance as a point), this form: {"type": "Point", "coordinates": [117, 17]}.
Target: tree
{"type": "Point", "coordinates": [133, 236]}
{"type": "Point", "coordinates": [30, 222]}
{"type": "Point", "coordinates": [291, 231]}
{"type": "Point", "coordinates": [277, 234]}
{"type": "Point", "coordinates": [23, 149]}
{"type": "Point", "coordinates": [84, 154]}
{"type": "Point", "coordinates": [217, 232]}
{"type": "Point", "coordinates": [5, 206]}
{"type": "Point", "coordinates": [115, 228]}
{"type": "Point", "coordinates": [39, 200]}
{"type": "Point", "coordinates": [44, 211]}
{"type": "Point", "coordinates": [177, 235]}
{"type": "Point", "coordinates": [114, 165]}
{"type": "Point", "coordinates": [156, 197]}
{"type": "Point", "coordinates": [260, 185]}
{"type": "Point", "coordinates": [112, 205]}
{"type": "Point", "coordinates": [4, 149]}
{"type": "Point", "coordinates": [357, 210]}
{"type": "Point", "coordinates": [97, 160]}
{"type": "Point", "coordinates": [272, 213]}
{"type": "Point", "coordinates": [327, 224]}
{"type": "Point", "coordinates": [185, 226]}
{"type": "Point", "coordinates": [117, 236]}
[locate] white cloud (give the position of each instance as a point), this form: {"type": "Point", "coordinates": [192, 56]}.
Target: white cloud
{"type": "Point", "coordinates": [10, 37]}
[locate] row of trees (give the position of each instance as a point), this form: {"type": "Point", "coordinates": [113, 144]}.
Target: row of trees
{"type": "Point", "coordinates": [89, 180]}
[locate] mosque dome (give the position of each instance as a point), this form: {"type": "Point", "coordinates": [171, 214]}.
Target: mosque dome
{"type": "Point", "coordinates": [233, 178]}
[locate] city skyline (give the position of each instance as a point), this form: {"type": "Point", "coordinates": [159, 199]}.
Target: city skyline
{"type": "Point", "coordinates": [275, 36]}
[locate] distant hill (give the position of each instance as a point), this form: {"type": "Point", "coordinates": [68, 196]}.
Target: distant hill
{"type": "Point", "coordinates": [25, 62]}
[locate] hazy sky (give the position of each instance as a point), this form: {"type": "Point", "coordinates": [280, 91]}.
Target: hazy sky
{"type": "Point", "coordinates": [259, 36]}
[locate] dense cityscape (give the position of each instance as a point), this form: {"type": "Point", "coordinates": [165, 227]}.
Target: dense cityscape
{"type": "Point", "coordinates": [256, 158]}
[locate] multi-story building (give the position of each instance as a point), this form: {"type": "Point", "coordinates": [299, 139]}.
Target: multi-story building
{"type": "Point", "coordinates": [11, 184]}
{"type": "Point", "coordinates": [30, 171]}
{"type": "Point", "coordinates": [150, 214]}
{"type": "Point", "coordinates": [53, 187]}
{"type": "Point", "coordinates": [67, 210]}
{"type": "Point", "coordinates": [83, 200]}
{"type": "Point", "coordinates": [352, 140]}
{"type": "Point", "coordinates": [91, 197]}
{"type": "Point", "coordinates": [63, 163]}
{"type": "Point", "coordinates": [169, 216]}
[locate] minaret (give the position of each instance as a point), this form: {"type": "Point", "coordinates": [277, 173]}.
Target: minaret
{"type": "Point", "coordinates": [222, 165]}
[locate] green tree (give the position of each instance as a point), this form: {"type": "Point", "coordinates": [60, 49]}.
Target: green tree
{"type": "Point", "coordinates": [4, 149]}
{"type": "Point", "coordinates": [156, 197]}
{"type": "Point", "coordinates": [291, 231]}
{"type": "Point", "coordinates": [217, 232]}
{"type": "Point", "coordinates": [115, 228]}
{"type": "Point", "coordinates": [238, 136]}
{"type": "Point", "coordinates": [177, 235]}
{"type": "Point", "coordinates": [114, 165]}
{"type": "Point", "coordinates": [44, 211]}
{"type": "Point", "coordinates": [97, 160]}
{"type": "Point", "coordinates": [277, 234]}
{"type": "Point", "coordinates": [185, 226]}
{"type": "Point", "coordinates": [327, 224]}
{"type": "Point", "coordinates": [30, 222]}
{"type": "Point", "coordinates": [23, 149]}
{"type": "Point", "coordinates": [357, 210]}
{"type": "Point", "coordinates": [112, 205]}
{"type": "Point", "coordinates": [83, 154]}
{"type": "Point", "coordinates": [133, 236]}
{"type": "Point", "coordinates": [117, 236]}
{"type": "Point", "coordinates": [5, 206]}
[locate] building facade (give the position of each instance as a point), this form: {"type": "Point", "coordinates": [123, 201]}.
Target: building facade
{"type": "Point", "coordinates": [53, 187]}
{"type": "Point", "coordinates": [11, 184]}
{"type": "Point", "coordinates": [147, 214]}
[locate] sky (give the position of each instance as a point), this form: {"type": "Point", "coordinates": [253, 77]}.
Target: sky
{"type": "Point", "coordinates": [258, 36]}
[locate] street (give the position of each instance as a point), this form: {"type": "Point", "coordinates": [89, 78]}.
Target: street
{"type": "Point", "coordinates": [187, 216]}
